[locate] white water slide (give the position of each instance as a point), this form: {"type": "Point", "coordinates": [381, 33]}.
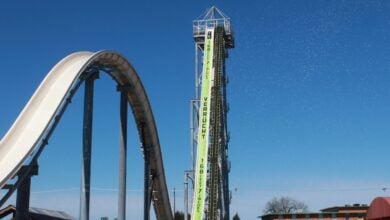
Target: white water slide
{"type": "Point", "coordinates": [38, 118]}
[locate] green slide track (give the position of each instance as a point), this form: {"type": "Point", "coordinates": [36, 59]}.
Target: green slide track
{"type": "Point", "coordinates": [211, 189]}
{"type": "Point", "coordinates": [204, 128]}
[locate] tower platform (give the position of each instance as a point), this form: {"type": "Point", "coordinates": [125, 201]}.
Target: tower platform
{"type": "Point", "coordinates": [213, 18]}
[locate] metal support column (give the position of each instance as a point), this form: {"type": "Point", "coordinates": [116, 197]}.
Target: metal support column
{"type": "Point", "coordinates": [185, 195]}
{"type": "Point", "coordinates": [187, 175]}
{"type": "Point", "coordinates": [147, 197]}
{"type": "Point", "coordinates": [87, 146]}
{"type": "Point", "coordinates": [196, 71]}
{"type": "Point", "coordinates": [122, 153]}
{"type": "Point", "coordinates": [174, 201]}
{"type": "Point", "coordinates": [23, 192]}
{"type": "Point", "coordinates": [194, 109]}
{"type": "Point", "coordinates": [192, 135]}
{"type": "Point", "coordinates": [148, 178]}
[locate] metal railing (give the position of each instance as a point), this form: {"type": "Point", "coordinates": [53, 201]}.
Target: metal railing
{"type": "Point", "coordinates": [199, 26]}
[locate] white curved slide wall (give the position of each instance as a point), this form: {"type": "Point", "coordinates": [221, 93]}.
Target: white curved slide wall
{"type": "Point", "coordinates": [38, 116]}
{"type": "Point", "coordinates": [28, 128]}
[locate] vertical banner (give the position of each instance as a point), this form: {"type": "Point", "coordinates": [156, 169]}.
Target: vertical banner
{"type": "Point", "coordinates": [204, 126]}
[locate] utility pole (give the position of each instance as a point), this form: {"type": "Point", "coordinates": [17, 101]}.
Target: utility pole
{"type": "Point", "coordinates": [174, 201]}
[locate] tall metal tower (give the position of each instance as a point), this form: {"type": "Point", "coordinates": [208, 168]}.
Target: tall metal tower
{"type": "Point", "coordinates": [214, 31]}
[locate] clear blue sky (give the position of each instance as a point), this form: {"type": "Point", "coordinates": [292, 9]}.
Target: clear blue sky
{"type": "Point", "coordinates": [309, 95]}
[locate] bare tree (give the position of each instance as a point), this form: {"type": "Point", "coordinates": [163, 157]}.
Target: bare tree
{"type": "Point", "coordinates": [284, 205]}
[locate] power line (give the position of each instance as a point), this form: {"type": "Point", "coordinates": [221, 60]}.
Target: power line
{"type": "Point", "coordinates": [93, 189]}
{"type": "Point", "coordinates": [316, 189]}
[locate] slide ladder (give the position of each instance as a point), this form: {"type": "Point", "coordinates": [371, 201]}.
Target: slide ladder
{"type": "Point", "coordinates": [216, 131]}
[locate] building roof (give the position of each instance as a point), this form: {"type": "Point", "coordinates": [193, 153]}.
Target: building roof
{"type": "Point", "coordinates": [37, 213]}
{"type": "Point", "coordinates": [50, 213]}
{"type": "Point", "coordinates": [339, 211]}
{"type": "Point", "coordinates": [379, 209]}
{"type": "Point", "coordinates": [311, 215]}
{"type": "Point", "coordinates": [346, 208]}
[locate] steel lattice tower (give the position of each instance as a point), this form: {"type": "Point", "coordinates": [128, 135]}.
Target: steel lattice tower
{"type": "Point", "coordinates": [218, 193]}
